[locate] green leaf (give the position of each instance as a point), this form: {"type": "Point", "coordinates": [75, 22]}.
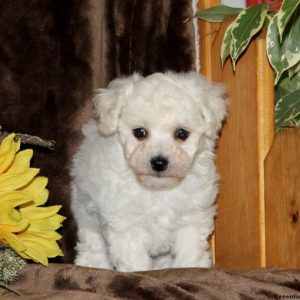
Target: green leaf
{"type": "Point", "coordinates": [267, 20]}
{"type": "Point", "coordinates": [287, 110]}
{"type": "Point", "coordinates": [287, 85]}
{"type": "Point", "coordinates": [284, 14]}
{"type": "Point", "coordinates": [248, 23]}
{"type": "Point", "coordinates": [285, 55]}
{"type": "Point", "coordinates": [297, 121]}
{"type": "Point", "coordinates": [294, 82]}
{"type": "Point", "coordinates": [226, 44]}
{"type": "Point", "coordinates": [294, 70]}
{"type": "Point", "coordinates": [217, 13]}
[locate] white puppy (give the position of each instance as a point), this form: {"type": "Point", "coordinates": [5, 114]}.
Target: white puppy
{"type": "Point", "coordinates": [144, 179]}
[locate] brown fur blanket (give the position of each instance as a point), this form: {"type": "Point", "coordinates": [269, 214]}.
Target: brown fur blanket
{"type": "Point", "coordinates": [71, 282]}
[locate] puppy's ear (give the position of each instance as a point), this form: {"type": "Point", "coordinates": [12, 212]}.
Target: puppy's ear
{"type": "Point", "coordinates": [214, 109]}
{"type": "Point", "coordinates": [211, 100]}
{"type": "Point", "coordinates": [109, 102]}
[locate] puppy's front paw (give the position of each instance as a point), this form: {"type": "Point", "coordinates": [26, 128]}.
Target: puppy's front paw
{"type": "Point", "coordinates": [162, 262]}
{"type": "Point", "coordinates": [187, 261]}
{"type": "Point", "coordinates": [89, 257]}
{"type": "Point", "coordinates": [133, 264]}
{"type": "Point", "coordinates": [127, 251]}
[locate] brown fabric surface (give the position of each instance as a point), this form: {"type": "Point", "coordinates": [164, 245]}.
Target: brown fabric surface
{"type": "Point", "coordinates": [73, 282]}
{"type": "Point", "coordinates": [53, 53]}
{"type": "Point", "coordinates": [149, 36]}
{"type": "Point", "coordinates": [45, 84]}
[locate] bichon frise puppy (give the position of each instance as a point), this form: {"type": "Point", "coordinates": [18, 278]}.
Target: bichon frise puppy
{"type": "Point", "coordinates": [144, 179]}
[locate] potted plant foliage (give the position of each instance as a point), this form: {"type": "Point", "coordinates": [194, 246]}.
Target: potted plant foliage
{"type": "Point", "coordinates": [282, 48]}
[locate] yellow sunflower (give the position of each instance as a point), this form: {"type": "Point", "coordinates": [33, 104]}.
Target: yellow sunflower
{"type": "Point", "coordinates": [24, 226]}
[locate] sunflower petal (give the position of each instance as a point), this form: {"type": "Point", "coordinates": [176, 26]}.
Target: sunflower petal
{"type": "Point", "coordinates": [49, 248]}
{"type": "Point", "coordinates": [13, 241]}
{"type": "Point", "coordinates": [7, 143]}
{"type": "Point", "coordinates": [9, 215]}
{"type": "Point", "coordinates": [8, 152]}
{"type": "Point", "coordinates": [51, 223]}
{"type": "Point", "coordinates": [21, 162]}
{"type": "Point", "coordinates": [14, 198]}
{"type": "Point", "coordinates": [50, 235]}
{"type": "Point", "coordinates": [22, 254]}
{"type": "Point", "coordinates": [37, 213]}
{"type": "Point", "coordinates": [36, 254]}
{"type": "Point", "coordinates": [53, 249]}
{"type": "Point", "coordinates": [10, 182]}
{"type": "Point", "coordinates": [37, 189]}
{"type": "Point", "coordinates": [16, 227]}
{"type": "Point", "coordinates": [7, 159]}
{"type": "Point", "coordinates": [11, 221]}
{"type": "Point", "coordinates": [42, 198]}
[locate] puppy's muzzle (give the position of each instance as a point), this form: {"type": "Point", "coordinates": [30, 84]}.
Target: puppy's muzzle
{"type": "Point", "coordinates": [159, 163]}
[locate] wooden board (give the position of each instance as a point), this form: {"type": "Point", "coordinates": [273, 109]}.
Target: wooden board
{"type": "Point", "coordinates": [282, 193]}
{"type": "Point", "coordinates": [207, 32]}
{"type": "Point", "coordinates": [265, 130]}
{"type": "Point", "coordinates": [239, 236]}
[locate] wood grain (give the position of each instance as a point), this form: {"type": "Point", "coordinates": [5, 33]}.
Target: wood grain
{"type": "Point", "coordinates": [238, 241]}
{"type": "Point", "coordinates": [282, 193]}
{"type": "Point", "coordinates": [207, 32]}
{"type": "Point", "coordinates": [265, 130]}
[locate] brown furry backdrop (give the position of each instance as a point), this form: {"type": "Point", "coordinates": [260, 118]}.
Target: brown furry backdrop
{"type": "Point", "coordinates": [150, 36]}
{"type": "Point", "coordinates": [54, 52]}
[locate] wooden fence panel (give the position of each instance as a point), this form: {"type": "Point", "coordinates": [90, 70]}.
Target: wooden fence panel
{"type": "Point", "coordinates": [258, 205]}
{"type": "Point", "coordinates": [282, 194]}
{"type": "Point", "coordinates": [207, 32]}
{"type": "Point", "coordinates": [239, 235]}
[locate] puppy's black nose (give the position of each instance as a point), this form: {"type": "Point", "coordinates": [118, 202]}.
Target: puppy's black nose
{"type": "Point", "coordinates": [159, 163]}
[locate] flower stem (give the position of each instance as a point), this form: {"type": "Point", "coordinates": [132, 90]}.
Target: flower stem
{"type": "Point", "coordinates": [7, 287]}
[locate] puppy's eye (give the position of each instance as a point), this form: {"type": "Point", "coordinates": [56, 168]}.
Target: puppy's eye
{"type": "Point", "coordinates": [181, 134]}
{"type": "Point", "coordinates": [140, 133]}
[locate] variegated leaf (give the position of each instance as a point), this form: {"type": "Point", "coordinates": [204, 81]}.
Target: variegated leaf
{"type": "Point", "coordinates": [284, 14]}
{"type": "Point", "coordinates": [297, 121]}
{"type": "Point", "coordinates": [287, 85]}
{"type": "Point", "coordinates": [267, 20]}
{"type": "Point", "coordinates": [217, 13]}
{"type": "Point", "coordinates": [226, 43]}
{"type": "Point", "coordinates": [294, 70]}
{"type": "Point", "coordinates": [283, 56]}
{"type": "Point", "coordinates": [248, 23]}
{"type": "Point", "coordinates": [287, 110]}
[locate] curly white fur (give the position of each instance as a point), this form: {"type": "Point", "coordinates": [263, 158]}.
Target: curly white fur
{"type": "Point", "coordinates": [129, 216]}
